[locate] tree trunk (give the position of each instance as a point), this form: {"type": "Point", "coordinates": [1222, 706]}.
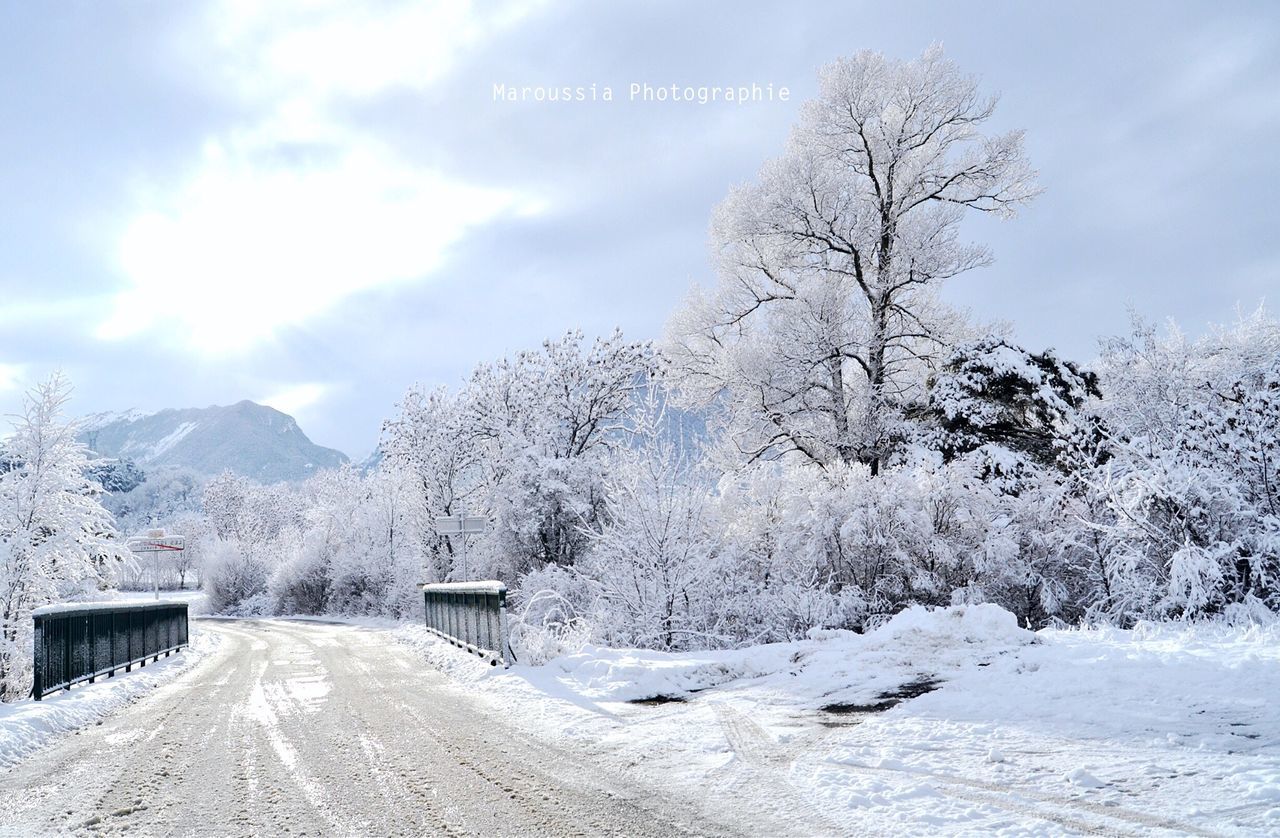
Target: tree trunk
{"type": "Point", "coordinates": [846, 450]}
{"type": "Point", "coordinates": [872, 450]}
{"type": "Point", "coordinates": [880, 301]}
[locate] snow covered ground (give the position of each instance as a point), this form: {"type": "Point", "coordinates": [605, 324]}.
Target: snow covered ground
{"type": "Point", "coordinates": [1160, 730]}
{"type": "Point", "coordinates": [27, 726]}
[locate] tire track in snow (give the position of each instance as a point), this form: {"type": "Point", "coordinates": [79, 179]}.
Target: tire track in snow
{"type": "Point", "coordinates": [764, 770]}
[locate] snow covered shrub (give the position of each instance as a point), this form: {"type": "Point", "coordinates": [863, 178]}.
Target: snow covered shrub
{"type": "Point", "coordinates": [914, 535]}
{"type": "Point", "coordinates": [776, 578]}
{"type": "Point", "coordinates": [355, 550]}
{"type": "Point", "coordinates": [261, 604]}
{"type": "Point", "coordinates": [253, 531]}
{"type": "Point", "coordinates": [654, 559]}
{"type": "Point", "coordinates": [1037, 556]}
{"type": "Point", "coordinates": [1190, 499]}
{"type": "Point", "coordinates": [233, 575]}
{"type": "Point", "coordinates": [1237, 433]}
{"type": "Point", "coordinates": [341, 542]}
{"type": "Point", "coordinates": [992, 394]}
{"type": "Point", "coordinates": [357, 525]}
{"type": "Point", "coordinates": [300, 583]}
{"type": "Point", "coordinates": [549, 614]}
{"type": "Point", "coordinates": [545, 508]}
{"type": "Point", "coordinates": [841, 548]}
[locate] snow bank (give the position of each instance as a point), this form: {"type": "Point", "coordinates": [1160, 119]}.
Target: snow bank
{"type": "Point", "coordinates": [830, 667]}
{"type": "Point", "coordinates": [454, 662]}
{"type": "Point", "coordinates": [1199, 685]}
{"type": "Point", "coordinates": [1166, 728]}
{"type": "Point", "coordinates": [27, 726]}
{"type": "Point", "coordinates": [919, 644]}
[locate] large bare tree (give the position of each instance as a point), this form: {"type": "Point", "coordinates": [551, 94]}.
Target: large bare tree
{"type": "Point", "coordinates": [825, 318]}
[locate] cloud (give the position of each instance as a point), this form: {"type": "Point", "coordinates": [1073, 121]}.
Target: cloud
{"type": "Point", "coordinates": [11, 376]}
{"type": "Point", "coordinates": [329, 48]}
{"type": "Point", "coordinates": [296, 398]}
{"type": "Point", "coordinates": [294, 208]}
{"type": "Point", "coordinates": [247, 246]}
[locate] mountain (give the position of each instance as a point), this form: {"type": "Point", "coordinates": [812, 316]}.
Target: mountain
{"type": "Point", "coordinates": [247, 438]}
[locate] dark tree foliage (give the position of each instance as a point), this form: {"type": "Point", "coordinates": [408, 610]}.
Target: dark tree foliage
{"type": "Point", "coordinates": [991, 392]}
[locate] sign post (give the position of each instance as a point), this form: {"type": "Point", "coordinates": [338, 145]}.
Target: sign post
{"type": "Point", "coordinates": [461, 525]}
{"type": "Point", "coordinates": [156, 542]}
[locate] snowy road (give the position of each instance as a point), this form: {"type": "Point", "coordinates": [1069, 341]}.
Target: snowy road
{"type": "Point", "coordinates": [314, 729]}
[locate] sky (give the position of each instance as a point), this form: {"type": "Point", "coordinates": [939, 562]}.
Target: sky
{"type": "Point", "coordinates": [315, 205]}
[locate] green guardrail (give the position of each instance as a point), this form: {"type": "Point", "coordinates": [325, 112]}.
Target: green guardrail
{"type": "Point", "coordinates": [471, 615]}
{"type": "Point", "coordinates": [77, 642]}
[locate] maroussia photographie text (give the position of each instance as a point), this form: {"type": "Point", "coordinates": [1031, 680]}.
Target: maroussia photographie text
{"type": "Point", "coordinates": [643, 92]}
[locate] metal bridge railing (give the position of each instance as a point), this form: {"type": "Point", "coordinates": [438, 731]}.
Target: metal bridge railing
{"type": "Point", "coordinates": [78, 642]}
{"type": "Point", "coordinates": [472, 615]}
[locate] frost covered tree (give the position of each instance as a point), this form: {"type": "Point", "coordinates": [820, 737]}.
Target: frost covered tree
{"type": "Point", "coordinates": [546, 423]}
{"type": "Point", "coordinates": [525, 442]}
{"type": "Point", "coordinates": [341, 542]}
{"type": "Point", "coordinates": [825, 317]}
{"type": "Point", "coordinates": [56, 539]}
{"type": "Point", "coordinates": [186, 565]}
{"type": "Point", "coordinates": [429, 445]}
{"type": "Point", "coordinates": [358, 550]}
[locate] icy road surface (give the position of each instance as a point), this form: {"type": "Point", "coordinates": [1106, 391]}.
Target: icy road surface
{"type": "Point", "coordinates": [310, 729]}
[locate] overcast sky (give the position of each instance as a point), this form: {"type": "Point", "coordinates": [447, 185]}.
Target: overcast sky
{"type": "Point", "coordinates": [315, 205]}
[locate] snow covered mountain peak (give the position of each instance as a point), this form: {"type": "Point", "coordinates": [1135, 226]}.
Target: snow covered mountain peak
{"type": "Point", "coordinates": [94, 421]}
{"type": "Point", "coordinates": [246, 438]}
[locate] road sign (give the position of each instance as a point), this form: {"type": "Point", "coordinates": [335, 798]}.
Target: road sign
{"type": "Point", "coordinates": [461, 524]}
{"type": "Point", "coordinates": [155, 543]}
{"type": "Point", "coordinates": [164, 544]}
